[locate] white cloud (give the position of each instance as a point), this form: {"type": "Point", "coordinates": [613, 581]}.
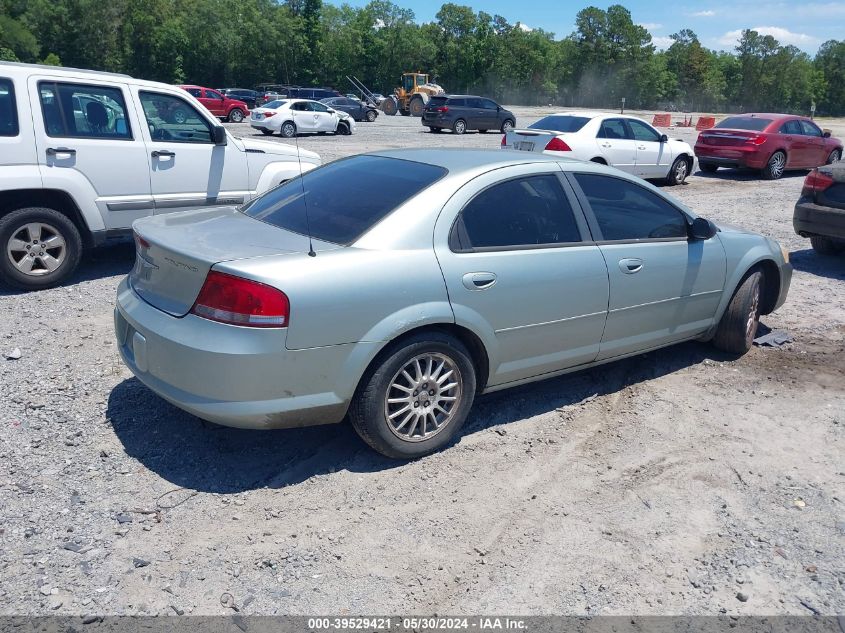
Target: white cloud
{"type": "Point", "coordinates": [650, 26]}
{"type": "Point", "coordinates": [709, 13]}
{"type": "Point", "coordinates": [782, 35]}
{"type": "Point", "coordinates": [524, 27]}
{"type": "Point", "coordinates": [662, 42]}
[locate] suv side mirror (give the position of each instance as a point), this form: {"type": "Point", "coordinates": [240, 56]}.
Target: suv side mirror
{"type": "Point", "coordinates": [218, 135]}
{"type": "Point", "coordinates": [702, 229]}
{"type": "Point", "coordinates": [664, 138]}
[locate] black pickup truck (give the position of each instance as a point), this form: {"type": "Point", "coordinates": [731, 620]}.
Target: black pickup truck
{"type": "Point", "coordinates": [820, 211]}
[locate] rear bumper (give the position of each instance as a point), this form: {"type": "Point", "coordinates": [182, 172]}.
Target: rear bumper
{"type": "Point", "coordinates": [234, 376]}
{"type": "Point", "coordinates": [752, 158]}
{"type": "Point", "coordinates": [811, 219]}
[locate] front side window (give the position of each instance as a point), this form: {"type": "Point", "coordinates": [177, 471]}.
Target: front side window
{"type": "Point", "coordinates": [344, 199]}
{"type": "Point", "coordinates": [615, 129]}
{"type": "Point", "coordinates": [211, 94]}
{"type": "Point", "coordinates": [809, 128]}
{"type": "Point", "coordinates": [627, 211]}
{"type": "Point", "coordinates": [83, 111]}
{"type": "Point", "coordinates": [529, 211]}
{"type": "Point", "coordinates": [319, 107]}
{"type": "Point", "coordinates": [194, 92]}
{"type": "Point", "coordinates": [643, 132]}
{"type": "Point", "coordinates": [487, 104]}
{"type": "Point", "coordinates": [174, 120]}
{"type": "Point", "coordinates": [8, 109]}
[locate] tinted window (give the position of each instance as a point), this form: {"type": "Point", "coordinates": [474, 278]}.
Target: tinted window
{"type": "Point", "coordinates": [643, 132]}
{"type": "Point", "coordinates": [521, 212]}
{"type": "Point", "coordinates": [8, 109]}
{"type": "Point", "coordinates": [487, 104]}
{"type": "Point", "coordinates": [560, 123]}
{"type": "Point", "coordinates": [80, 111]}
{"type": "Point", "coordinates": [474, 102]}
{"type": "Point", "coordinates": [194, 92]}
{"type": "Point", "coordinates": [614, 128]}
{"type": "Point", "coordinates": [174, 120]}
{"type": "Point", "coordinates": [344, 198]}
{"type": "Point", "coordinates": [458, 103]}
{"type": "Point", "coordinates": [791, 127]}
{"type": "Point", "coordinates": [436, 102]}
{"type": "Point", "coordinates": [744, 123]}
{"type": "Point", "coordinates": [319, 107]}
{"type": "Point", "coordinates": [810, 129]}
{"type": "Point", "coordinates": [626, 211]}
{"type": "Point", "coordinates": [211, 94]}
{"type": "Point", "coordinates": [278, 103]}
{"type": "Point", "coordinates": [301, 106]}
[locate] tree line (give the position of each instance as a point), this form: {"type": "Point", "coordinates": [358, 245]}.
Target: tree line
{"type": "Point", "coordinates": [220, 43]}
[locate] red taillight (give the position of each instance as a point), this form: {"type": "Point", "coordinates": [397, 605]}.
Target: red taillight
{"type": "Point", "coordinates": [505, 140]}
{"type": "Point", "coordinates": [141, 242]}
{"type": "Point", "coordinates": [557, 145]}
{"type": "Point", "coordinates": [816, 181]}
{"type": "Point", "coordinates": [237, 301]}
{"type": "Point", "coordinates": [267, 115]}
{"type": "Point", "coordinates": [442, 109]}
{"type": "Point", "coordinates": [758, 139]}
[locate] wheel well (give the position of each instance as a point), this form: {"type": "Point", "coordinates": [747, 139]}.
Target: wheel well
{"type": "Point", "coordinates": [598, 160]}
{"type": "Point", "coordinates": [51, 198]}
{"type": "Point", "coordinates": [771, 284]}
{"type": "Point", "coordinates": [476, 349]}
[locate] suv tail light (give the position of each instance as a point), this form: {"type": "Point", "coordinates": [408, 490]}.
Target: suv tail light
{"type": "Point", "coordinates": [816, 181]}
{"type": "Point", "coordinates": [757, 139]}
{"type": "Point", "coordinates": [557, 145]}
{"type": "Point", "coordinates": [442, 109]}
{"type": "Point", "coordinates": [237, 301]}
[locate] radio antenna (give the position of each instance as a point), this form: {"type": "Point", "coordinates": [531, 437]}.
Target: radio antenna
{"type": "Point", "coordinates": [311, 252]}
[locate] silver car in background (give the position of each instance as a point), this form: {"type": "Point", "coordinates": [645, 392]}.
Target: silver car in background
{"type": "Point", "coordinates": [393, 287]}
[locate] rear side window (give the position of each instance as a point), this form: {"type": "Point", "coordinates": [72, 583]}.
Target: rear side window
{"type": "Point", "coordinates": [744, 123]}
{"type": "Point", "coordinates": [458, 103]}
{"type": "Point", "coordinates": [83, 111]}
{"type": "Point", "coordinates": [8, 109]}
{"type": "Point", "coordinates": [345, 199]}
{"type": "Point", "coordinates": [627, 211]}
{"type": "Point", "coordinates": [560, 123]}
{"type": "Point", "coordinates": [530, 211]}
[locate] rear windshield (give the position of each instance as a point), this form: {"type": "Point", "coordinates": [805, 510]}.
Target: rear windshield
{"type": "Point", "coordinates": [744, 123]}
{"type": "Point", "coordinates": [278, 103]}
{"type": "Point", "coordinates": [436, 102]}
{"type": "Point", "coordinates": [345, 199]}
{"type": "Point", "coordinates": [560, 123]}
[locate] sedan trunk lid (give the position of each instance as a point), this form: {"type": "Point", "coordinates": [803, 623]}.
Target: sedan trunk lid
{"type": "Point", "coordinates": [530, 140]}
{"type": "Point", "coordinates": [174, 252]}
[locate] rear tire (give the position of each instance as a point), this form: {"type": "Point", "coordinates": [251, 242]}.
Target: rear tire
{"type": "Point", "coordinates": [390, 106]}
{"type": "Point", "coordinates": [434, 130]}
{"type": "Point", "coordinates": [459, 126]}
{"type": "Point", "coordinates": [288, 129]}
{"type": "Point", "coordinates": [482, 131]}
{"type": "Point", "coordinates": [776, 166]}
{"type": "Point", "coordinates": [57, 244]}
{"type": "Point", "coordinates": [826, 245]}
{"type": "Point", "coordinates": [383, 424]}
{"type": "Point", "coordinates": [708, 168]}
{"type": "Point", "coordinates": [738, 325]}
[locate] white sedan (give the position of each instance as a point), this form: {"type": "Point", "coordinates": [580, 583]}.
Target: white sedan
{"type": "Point", "coordinates": [290, 117]}
{"type": "Point", "coordinates": [625, 142]}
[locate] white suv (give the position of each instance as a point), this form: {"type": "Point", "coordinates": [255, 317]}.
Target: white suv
{"type": "Point", "coordinates": [83, 154]}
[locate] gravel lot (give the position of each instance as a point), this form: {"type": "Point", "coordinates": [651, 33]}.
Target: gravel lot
{"type": "Point", "coordinates": [677, 482]}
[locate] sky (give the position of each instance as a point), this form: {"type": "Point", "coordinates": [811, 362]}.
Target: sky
{"type": "Point", "coordinates": [717, 24]}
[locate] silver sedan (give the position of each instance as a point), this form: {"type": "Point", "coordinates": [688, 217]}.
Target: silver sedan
{"type": "Point", "coordinates": [394, 287]}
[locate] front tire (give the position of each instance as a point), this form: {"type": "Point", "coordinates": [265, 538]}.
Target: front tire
{"type": "Point", "coordinates": [459, 126]}
{"type": "Point", "coordinates": [288, 129]}
{"type": "Point", "coordinates": [416, 398]}
{"type": "Point", "coordinates": [679, 171]}
{"type": "Point", "coordinates": [390, 106]}
{"type": "Point", "coordinates": [507, 126]}
{"type": "Point", "coordinates": [775, 167]}
{"type": "Point", "coordinates": [416, 107]}
{"type": "Point", "coordinates": [40, 248]}
{"type": "Point", "coordinates": [835, 155]}
{"type": "Point", "coordinates": [343, 129]}
{"type": "Point", "coordinates": [738, 325]}
{"type": "Point", "coordinates": [827, 246]}
{"type": "Point", "coordinates": [371, 116]}
{"type": "Point", "coordinates": [236, 116]}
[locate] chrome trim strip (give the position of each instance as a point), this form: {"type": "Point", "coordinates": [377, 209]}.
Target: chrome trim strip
{"type": "Point", "coordinates": [522, 327]}
{"type": "Point", "coordinates": [653, 303]}
{"type": "Point", "coordinates": [130, 205]}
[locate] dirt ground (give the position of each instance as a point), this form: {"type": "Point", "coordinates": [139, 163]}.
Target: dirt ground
{"type": "Point", "coordinates": [677, 482]}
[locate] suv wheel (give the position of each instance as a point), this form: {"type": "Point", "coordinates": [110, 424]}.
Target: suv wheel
{"type": "Point", "coordinates": [416, 399]}
{"type": "Point", "coordinates": [459, 126]}
{"type": "Point", "coordinates": [236, 116]}
{"type": "Point", "coordinates": [41, 247]}
{"type": "Point", "coordinates": [288, 129]}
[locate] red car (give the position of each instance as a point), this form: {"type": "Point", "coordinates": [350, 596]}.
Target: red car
{"type": "Point", "coordinates": [772, 143]}
{"type": "Point", "coordinates": [219, 105]}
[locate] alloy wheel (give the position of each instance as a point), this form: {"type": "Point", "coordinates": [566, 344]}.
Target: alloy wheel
{"type": "Point", "coordinates": [36, 249]}
{"type": "Point", "coordinates": [751, 322]}
{"type": "Point", "coordinates": [423, 397]}
{"type": "Point", "coordinates": [681, 170]}
{"type": "Point", "coordinates": [776, 163]}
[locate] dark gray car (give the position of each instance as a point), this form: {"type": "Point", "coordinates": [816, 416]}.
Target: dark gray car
{"type": "Point", "coordinates": [460, 113]}
{"type": "Point", "coordinates": [358, 110]}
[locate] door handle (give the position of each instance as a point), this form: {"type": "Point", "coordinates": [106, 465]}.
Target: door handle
{"type": "Point", "coordinates": [630, 265]}
{"type": "Point", "coordinates": [162, 153]}
{"type": "Point", "coordinates": [54, 151]}
{"type": "Point", "coordinates": [641, 147]}
{"type": "Point", "coordinates": [605, 145]}
{"type": "Point", "coordinates": [478, 281]}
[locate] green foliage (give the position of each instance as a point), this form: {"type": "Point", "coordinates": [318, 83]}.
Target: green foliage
{"type": "Point", "coordinates": [224, 43]}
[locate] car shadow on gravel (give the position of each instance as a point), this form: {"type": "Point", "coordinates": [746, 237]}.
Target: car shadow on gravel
{"type": "Point", "coordinates": [746, 175]}
{"type": "Point", "coordinates": [809, 261]}
{"type": "Point", "coordinates": [196, 455]}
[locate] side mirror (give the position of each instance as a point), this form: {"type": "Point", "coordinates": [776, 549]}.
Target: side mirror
{"type": "Point", "coordinates": [330, 111]}
{"type": "Point", "coordinates": [826, 134]}
{"type": "Point", "coordinates": [702, 229]}
{"type": "Point", "coordinates": [664, 138]}
{"type": "Point", "coordinates": [218, 134]}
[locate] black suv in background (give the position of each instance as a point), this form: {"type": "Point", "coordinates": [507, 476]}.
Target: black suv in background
{"type": "Point", "coordinates": [460, 113]}
{"type": "Point", "coordinates": [315, 94]}
{"type": "Point", "coordinates": [820, 212]}
{"type": "Point", "coordinates": [358, 110]}
{"type": "Point", "coordinates": [249, 97]}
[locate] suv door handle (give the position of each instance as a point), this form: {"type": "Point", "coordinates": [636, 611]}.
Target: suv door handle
{"type": "Point", "coordinates": [53, 151]}
{"type": "Point", "coordinates": [478, 281]}
{"type": "Point", "coordinates": [630, 265]}
{"type": "Point", "coordinates": [162, 153]}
